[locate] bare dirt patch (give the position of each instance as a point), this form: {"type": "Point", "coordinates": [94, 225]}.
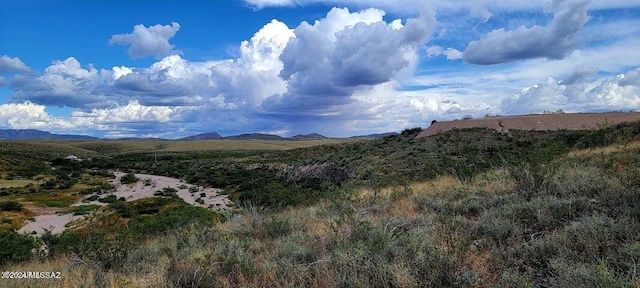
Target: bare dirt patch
{"type": "Point", "coordinates": [50, 219]}
{"type": "Point", "coordinates": [536, 122]}
{"type": "Point", "coordinates": [148, 185]}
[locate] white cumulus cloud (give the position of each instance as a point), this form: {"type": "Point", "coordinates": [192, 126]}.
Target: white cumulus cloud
{"type": "Point", "coordinates": [148, 41]}
{"type": "Point", "coordinates": [63, 83]}
{"type": "Point", "coordinates": [132, 112]}
{"type": "Point", "coordinates": [328, 61]}
{"type": "Point", "coordinates": [28, 115]}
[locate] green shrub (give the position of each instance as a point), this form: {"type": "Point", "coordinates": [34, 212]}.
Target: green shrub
{"type": "Point", "coordinates": [296, 254]}
{"type": "Point", "coordinates": [91, 247]}
{"type": "Point", "coordinates": [108, 199]}
{"type": "Point", "coordinates": [56, 203]}
{"type": "Point", "coordinates": [585, 181]}
{"type": "Point", "coordinates": [15, 247]}
{"type": "Point", "coordinates": [511, 279]}
{"type": "Point", "coordinates": [533, 179]}
{"type": "Point", "coordinates": [128, 178]}
{"type": "Point", "coordinates": [277, 227]}
{"type": "Point", "coordinates": [568, 274]}
{"type": "Point", "coordinates": [532, 256]}
{"type": "Point", "coordinates": [167, 191]}
{"type": "Point", "coordinates": [591, 238]}
{"type": "Point", "coordinates": [10, 206]}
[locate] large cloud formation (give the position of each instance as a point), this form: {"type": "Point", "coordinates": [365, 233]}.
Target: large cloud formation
{"type": "Point", "coordinates": [328, 61]}
{"type": "Point", "coordinates": [63, 83]}
{"type": "Point", "coordinates": [555, 41]}
{"type": "Point", "coordinates": [148, 41]}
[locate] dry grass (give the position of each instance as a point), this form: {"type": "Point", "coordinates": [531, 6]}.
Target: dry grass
{"type": "Point", "coordinates": [603, 151]}
{"type": "Point", "coordinates": [75, 272]}
{"type": "Point", "coordinates": [18, 183]}
{"type": "Point", "coordinates": [48, 200]}
{"type": "Point", "coordinates": [14, 219]}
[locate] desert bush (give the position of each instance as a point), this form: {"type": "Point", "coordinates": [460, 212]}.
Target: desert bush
{"type": "Point", "coordinates": [189, 274]}
{"type": "Point", "coordinates": [568, 274]}
{"type": "Point", "coordinates": [366, 236]}
{"type": "Point", "coordinates": [626, 260]}
{"type": "Point", "coordinates": [150, 257]}
{"type": "Point", "coordinates": [167, 191]}
{"type": "Point", "coordinates": [296, 254]}
{"type": "Point", "coordinates": [10, 206]}
{"type": "Point", "coordinates": [234, 259]}
{"type": "Point", "coordinates": [512, 279]}
{"type": "Point", "coordinates": [533, 179]}
{"type": "Point", "coordinates": [98, 248]}
{"type": "Point", "coordinates": [531, 257]}
{"type": "Point", "coordinates": [109, 199]}
{"type": "Point", "coordinates": [15, 247]}
{"type": "Point", "coordinates": [277, 226]}
{"type": "Point", "coordinates": [585, 179]}
{"type": "Point", "coordinates": [324, 172]}
{"type": "Point", "coordinates": [591, 238]}
{"type": "Point", "coordinates": [471, 206]}
{"type": "Point", "coordinates": [170, 219]}
{"type": "Point", "coordinates": [254, 213]}
{"type": "Point", "coordinates": [128, 178]}
{"type": "Point", "coordinates": [621, 203]}
{"type": "Point", "coordinates": [498, 229]}
{"type": "Point", "coordinates": [147, 182]}
{"type": "Point", "coordinates": [436, 268]}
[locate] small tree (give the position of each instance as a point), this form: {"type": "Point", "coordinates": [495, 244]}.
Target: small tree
{"type": "Point", "coordinates": [128, 178]}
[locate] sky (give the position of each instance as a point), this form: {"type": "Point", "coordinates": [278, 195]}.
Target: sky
{"type": "Point", "coordinates": [171, 69]}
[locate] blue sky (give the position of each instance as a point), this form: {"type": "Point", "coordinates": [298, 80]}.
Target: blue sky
{"type": "Point", "coordinates": [336, 67]}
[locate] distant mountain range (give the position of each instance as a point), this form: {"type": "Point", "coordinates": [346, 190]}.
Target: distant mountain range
{"type": "Point", "coordinates": [308, 137]}
{"type": "Point", "coordinates": [203, 136]}
{"type": "Point", "coordinates": [256, 136]}
{"type": "Point", "coordinates": [375, 136]}
{"type": "Point", "coordinates": [38, 134]}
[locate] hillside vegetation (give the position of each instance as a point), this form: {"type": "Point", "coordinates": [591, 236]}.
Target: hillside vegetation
{"type": "Point", "coordinates": [466, 208]}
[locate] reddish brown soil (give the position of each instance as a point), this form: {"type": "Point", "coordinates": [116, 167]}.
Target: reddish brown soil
{"type": "Point", "coordinates": [537, 122]}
